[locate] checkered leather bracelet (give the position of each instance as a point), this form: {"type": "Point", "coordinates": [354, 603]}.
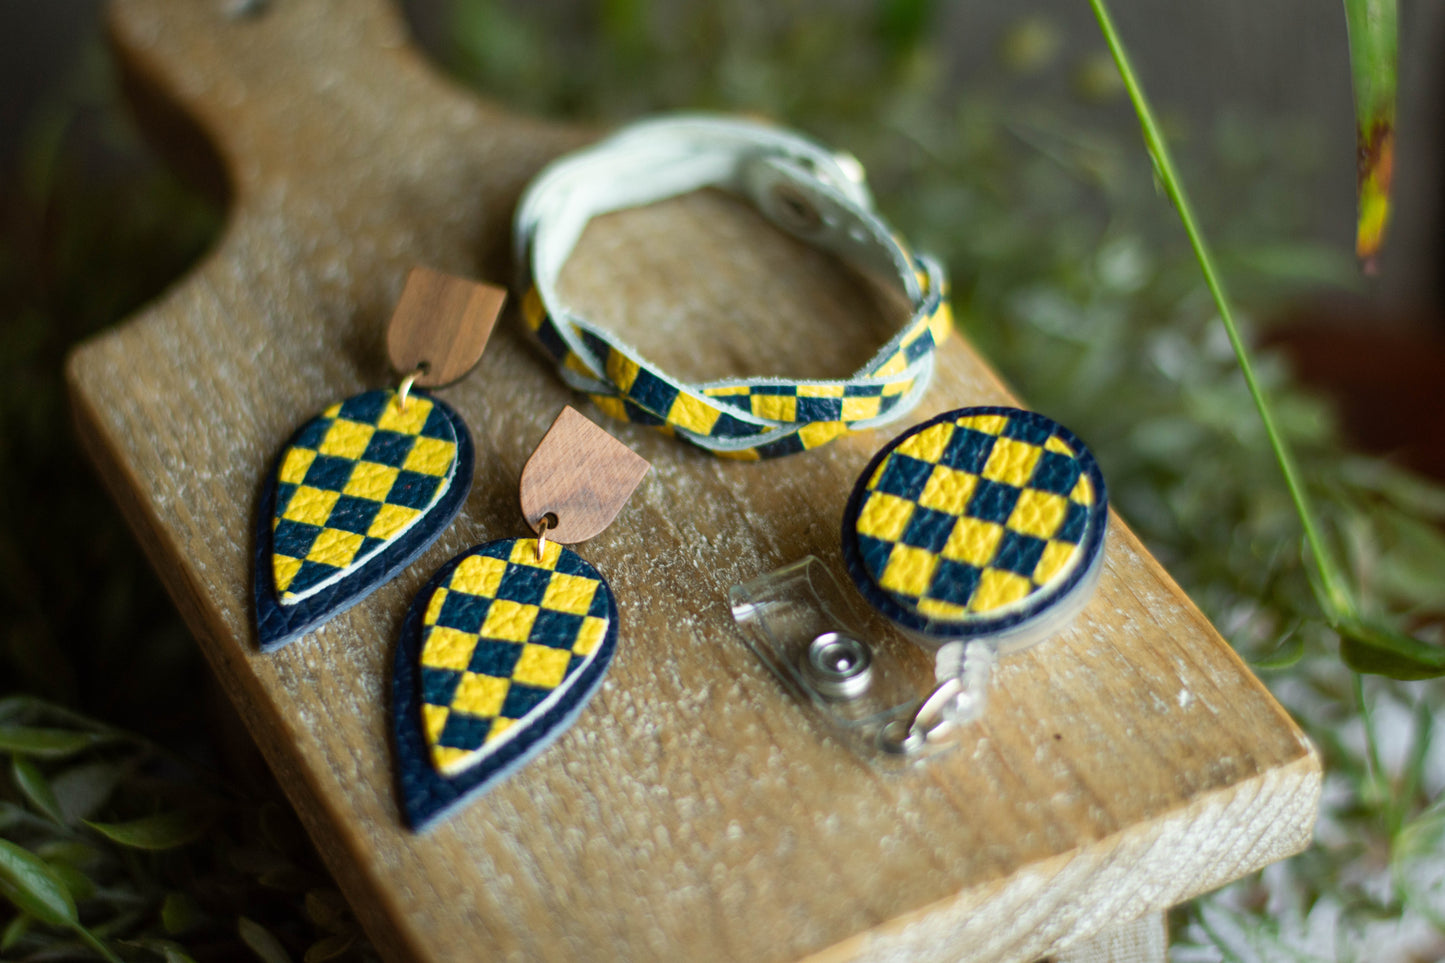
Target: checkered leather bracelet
{"type": "Point", "coordinates": [804, 189]}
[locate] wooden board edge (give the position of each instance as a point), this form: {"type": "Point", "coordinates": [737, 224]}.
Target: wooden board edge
{"type": "Point", "coordinates": [1040, 895]}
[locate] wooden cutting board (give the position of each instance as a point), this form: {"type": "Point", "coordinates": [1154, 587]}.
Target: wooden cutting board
{"type": "Point", "coordinates": [693, 811]}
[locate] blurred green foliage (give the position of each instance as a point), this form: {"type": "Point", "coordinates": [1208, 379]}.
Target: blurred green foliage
{"type": "Point", "coordinates": [1068, 273]}
{"type": "Point", "coordinates": [111, 846]}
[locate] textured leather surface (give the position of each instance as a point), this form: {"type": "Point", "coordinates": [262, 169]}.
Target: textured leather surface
{"type": "Point", "coordinates": [426, 793]}
{"type": "Point", "coordinates": [976, 522]}
{"type": "Point", "coordinates": [277, 624]}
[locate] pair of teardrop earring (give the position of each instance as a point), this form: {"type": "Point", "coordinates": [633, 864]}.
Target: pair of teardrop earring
{"type": "Point", "coordinates": [505, 644]}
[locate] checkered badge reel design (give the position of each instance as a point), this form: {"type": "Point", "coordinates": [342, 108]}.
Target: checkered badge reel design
{"type": "Point", "coordinates": [353, 481]}
{"type": "Point", "coordinates": [977, 516]}
{"type": "Point", "coordinates": [504, 637]}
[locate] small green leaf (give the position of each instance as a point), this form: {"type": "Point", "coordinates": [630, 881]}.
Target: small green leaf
{"type": "Point", "coordinates": [329, 948]}
{"type": "Point", "coordinates": [32, 782]}
{"type": "Point", "coordinates": [33, 887]}
{"type": "Point", "coordinates": [170, 950]}
{"type": "Point", "coordinates": [71, 851]}
{"type": "Point", "coordinates": [179, 913]}
{"type": "Point", "coordinates": [14, 705]}
{"type": "Point", "coordinates": [261, 941]}
{"type": "Point", "coordinates": [1380, 650]}
{"type": "Point", "coordinates": [1287, 654]}
{"type": "Point", "coordinates": [327, 909]}
{"type": "Point", "coordinates": [44, 743]}
{"type": "Point", "coordinates": [161, 831]}
{"type": "Point", "coordinates": [80, 886]}
{"type": "Point", "coordinates": [83, 789]}
{"type": "Point", "coordinates": [14, 932]}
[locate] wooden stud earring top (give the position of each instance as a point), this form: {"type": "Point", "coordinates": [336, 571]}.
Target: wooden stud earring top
{"type": "Point", "coordinates": [440, 326]}
{"type": "Point", "coordinates": [581, 475]}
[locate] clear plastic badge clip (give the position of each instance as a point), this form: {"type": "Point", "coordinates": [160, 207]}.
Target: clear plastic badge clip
{"type": "Point", "coordinates": [861, 676]}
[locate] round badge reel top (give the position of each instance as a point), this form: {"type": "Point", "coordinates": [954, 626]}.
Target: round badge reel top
{"type": "Point", "coordinates": [980, 525]}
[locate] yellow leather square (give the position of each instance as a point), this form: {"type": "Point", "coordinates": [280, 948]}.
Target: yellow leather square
{"type": "Point", "coordinates": [431, 456]}
{"type": "Point", "coordinates": [1012, 462]}
{"type": "Point", "coordinates": [310, 505]}
{"type": "Point", "coordinates": [776, 407]}
{"type": "Point", "coordinates": [909, 570]}
{"type": "Point", "coordinates": [335, 547]}
{"type": "Point", "coordinates": [294, 465]}
{"type": "Point", "coordinates": [928, 444]}
{"type": "Point", "coordinates": [590, 636]}
{"type": "Point", "coordinates": [948, 490]}
{"type": "Point", "coordinates": [997, 588]}
{"type": "Point", "coordinates": [1054, 560]}
{"type": "Point", "coordinates": [569, 593]}
{"type": "Point", "coordinates": [859, 409]}
{"type": "Point", "coordinates": [974, 541]}
{"type": "Point", "coordinates": [391, 520]}
{"type": "Point", "coordinates": [447, 648]}
{"type": "Point", "coordinates": [541, 666]}
{"type": "Point", "coordinates": [478, 575]}
{"type": "Point", "coordinates": [346, 439]}
{"type": "Point", "coordinates": [371, 480]}
{"type": "Point", "coordinates": [480, 695]}
{"type": "Point", "coordinates": [407, 421]}
{"type": "Point", "coordinates": [284, 569]}
{"type": "Point", "coordinates": [524, 552]}
{"type": "Point", "coordinates": [434, 607]}
{"type": "Point", "coordinates": [694, 415]}
{"type": "Point", "coordinates": [1038, 513]}
{"type": "Point", "coordinates": [884, 516]}
{"type": "Point", "coordinates": [509, 620]}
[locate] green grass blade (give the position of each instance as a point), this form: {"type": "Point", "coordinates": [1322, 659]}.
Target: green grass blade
{"type": "Point", "coordinates": [1337, 600]}
{"type": "Point", "coordinates": [1374, 43]}
{"type": "Point", "coordinates": [1365, 647]}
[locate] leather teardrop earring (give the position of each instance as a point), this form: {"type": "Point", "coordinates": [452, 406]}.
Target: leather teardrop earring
{"type": "Point", "coordinates": [507, 642]}
{"type": "Point", "coordinates": [366, 486]}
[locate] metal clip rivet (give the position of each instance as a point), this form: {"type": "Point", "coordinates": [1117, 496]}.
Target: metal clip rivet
{"type": "Point", "coordinates": [838, 666]}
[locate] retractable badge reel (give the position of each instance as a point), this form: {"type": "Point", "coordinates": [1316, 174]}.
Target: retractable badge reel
{"type": "Point", "coordinates": [970, 536]}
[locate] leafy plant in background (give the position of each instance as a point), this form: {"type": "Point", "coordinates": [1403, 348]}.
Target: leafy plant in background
{"type": "Point", "coordinates": [1064, 275]}
{"type": "Point", "coordinates": [111, 846]}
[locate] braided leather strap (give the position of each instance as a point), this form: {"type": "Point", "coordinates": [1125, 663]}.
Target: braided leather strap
{"type": "Point", "coordinates": [801, 187]}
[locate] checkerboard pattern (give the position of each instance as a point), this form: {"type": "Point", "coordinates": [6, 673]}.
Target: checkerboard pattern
{"type": "Point", "coordinates": [501, 637]}
{"type": "Point", "coordinates": [753, 418]}
{"type": "Point", "coordinates": [354, 479]}
{"type": "Point", "coordinates": [972, 516]}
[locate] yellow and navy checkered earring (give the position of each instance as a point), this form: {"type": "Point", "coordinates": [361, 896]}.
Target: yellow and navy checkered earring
{"type": "Point", "coordinates": [507, 642]}
{"type": "Point", "coordinates": [366, 486]}
{"type": "Point", "coordinates": [806, 190]}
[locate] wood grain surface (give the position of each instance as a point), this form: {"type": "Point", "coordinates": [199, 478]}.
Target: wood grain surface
{"type": "Point", "coordinates": [441, 325]}
{"type": "Point", "coordinates": [581, 476]}
{"type": "Point", "coordinates": [693, 812]}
